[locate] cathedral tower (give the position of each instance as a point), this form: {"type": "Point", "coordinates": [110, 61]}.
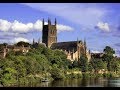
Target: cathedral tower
{"type": "Point", "coordinates": [49, 33]}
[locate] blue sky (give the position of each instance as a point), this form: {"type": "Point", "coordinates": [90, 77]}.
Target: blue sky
{"type": "Point", "coordinates": [98, 23]}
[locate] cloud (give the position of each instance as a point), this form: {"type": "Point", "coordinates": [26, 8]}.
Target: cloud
{"type": "Point", "coordinates": [11, 34]}
{"type": "Point", "coordinates": [38, 25]}
{"type": "Point", "coordinates": [103, 26]}
{"type": "Point", "coordinates": [19, 27]}
{"type": "Point", "coordinates": [61, 27]}
{"type": "Point", "coordinates": [95, 51]}
{"type": "Point", "coordinates": [4, 25]}
{"type": "Point", "coordinates": [15, 40]}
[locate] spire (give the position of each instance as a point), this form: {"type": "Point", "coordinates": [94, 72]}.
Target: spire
{"type": "Point", "coordinates": [43, 21]}
{"type": "Point", "coordinates": [55, 21]}
{"type": "Point", "coordinates": [84, 41]}
{"type": "Point", "coordinates": [33, 41]}
{"type": "Point", "coordinates": [89, 51]}
{"type": "Point", "coordinates": [49, 22]}
{"type": "Point", "coordinates": [77, 40]}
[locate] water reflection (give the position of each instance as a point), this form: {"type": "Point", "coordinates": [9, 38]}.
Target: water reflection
{"type": "Point", "coordinates": [114, 82]}
{"type": "Point", "coordinates": [87, 82]}
{"type": "Point", "coordinates": [82, 82]}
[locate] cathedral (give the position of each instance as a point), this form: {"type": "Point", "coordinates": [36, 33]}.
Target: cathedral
{"type": "Point", "coordinates": [73, 49]}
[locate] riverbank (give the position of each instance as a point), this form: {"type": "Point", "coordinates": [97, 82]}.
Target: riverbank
{"type": "Point", "coordinates": [32, 80]}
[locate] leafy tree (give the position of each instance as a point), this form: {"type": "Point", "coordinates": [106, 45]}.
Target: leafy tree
{"type": "Point", "coordinates": [114, 65]}
{"type": "Point", "coordinates": [83, 63]}
{"type": "Point", "coordinates": [60, 54]}
{"type": "Point", "coordinates": [40, 48]}
{"type": "Point", "coordinates": [19, 66]}
{"type": "Point", "coordinates": [56, 73]}
{"type": "Point", "coordinates": [26, 44]}
{"type": "Point", "coordinates": [98, 64]}
{"type": "Point", "coordinates": [9, 76]}
{"type": "Point", "coordinates": [48, 53]}
{"type": "Point", "coordinates": [108, 56]}
{"type": "Point", "coordinates": [90, 67]}
{"type": "Point", "coordinates": [75, 64]}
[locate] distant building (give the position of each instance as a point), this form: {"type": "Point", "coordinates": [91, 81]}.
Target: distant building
{"type": "Point", "coordinates": [97, 55]}
{"type": "Point", "coordinates": [14, 48]}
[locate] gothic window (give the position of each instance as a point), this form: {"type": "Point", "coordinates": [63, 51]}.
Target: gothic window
{"type": "Point", "coordinates": [51, 32]}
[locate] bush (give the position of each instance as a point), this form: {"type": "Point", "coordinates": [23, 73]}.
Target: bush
{"type": "Point", "coordinates": [107, 75]}
{"type": "Point", "coordinates": [85, 75]}
{"type": "Point", "coordinates": [57, 74]}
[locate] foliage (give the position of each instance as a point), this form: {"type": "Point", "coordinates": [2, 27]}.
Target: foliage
{"type": "Point", "coordinates": [75, 64]}
{"type": "Point", "coordinates": [83, 63]}
{"type": "Point", "coordinates": [19, 68]}
{"type": "Point", "coordinates": [90, 67]}
{"type": "Point", "coordinates": [98, 64]}
{"type": "Point", "coordinates": [56, 73]}
{"type": "Point", "coordinates": [26, 44]}
{"type": "Point", "coordinates": [108, 56]}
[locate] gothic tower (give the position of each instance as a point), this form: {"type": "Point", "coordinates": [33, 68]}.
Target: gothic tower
{"type": "Point", "coordinates": [49, 33]}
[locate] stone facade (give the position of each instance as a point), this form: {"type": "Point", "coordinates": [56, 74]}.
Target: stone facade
{"type": "Point", "coordinates": [49, 33]}
{"type": "Point", "coordinates": [8, 48]}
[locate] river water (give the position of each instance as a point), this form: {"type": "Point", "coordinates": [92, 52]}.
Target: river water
{"type": "Point", "coordinates": [81, 82]}
{"type": "Point", "coordinates": [85, 82]}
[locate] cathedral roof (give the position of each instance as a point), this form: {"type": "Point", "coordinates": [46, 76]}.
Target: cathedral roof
{"type": "Point", "coordinates": [70, 45]}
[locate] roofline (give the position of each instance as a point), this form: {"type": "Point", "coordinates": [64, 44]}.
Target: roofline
{"type": "Point", "coordinates": [68, 41]}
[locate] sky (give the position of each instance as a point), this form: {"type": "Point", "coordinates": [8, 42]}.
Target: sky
{"type": "Point", "coordinates": [97, 23]}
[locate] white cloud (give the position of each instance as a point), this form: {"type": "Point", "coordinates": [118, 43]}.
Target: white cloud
{"type": "Point", "coordinates": [4, 25]}
{"type": "Point", "coordinates": [38, 25]}
{"type": "Point", "coordinates": [61, 27]}
{"type": "Point", "coordinates": [20, 27]}
{"type": "Point", "coordinates": [95, 51]}
{"type": "Point", "coordinates": [103, 26]}
{"type": "Point", "coordinates": [15, 40]}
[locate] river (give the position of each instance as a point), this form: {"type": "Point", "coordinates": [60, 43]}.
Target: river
{"type": "Point", "coordinates": [91, 82]}
{"type": "Point", "coordinates": [81, 82]}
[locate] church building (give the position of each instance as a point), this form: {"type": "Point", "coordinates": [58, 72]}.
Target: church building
{"type": "Point", "coordinates": [73, 49]}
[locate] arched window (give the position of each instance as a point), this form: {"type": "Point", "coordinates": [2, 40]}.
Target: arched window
{"type": "Point", "coordinates": [51, 32]}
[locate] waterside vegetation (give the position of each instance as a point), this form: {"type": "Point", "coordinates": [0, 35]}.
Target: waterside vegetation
{"type": "Point", "coordinates": [42, 62]}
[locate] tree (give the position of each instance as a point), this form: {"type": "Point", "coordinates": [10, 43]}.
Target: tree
{"type": "Point", "coordinates": [26, 44]}
{"type": "Point", "coordinates": [83, 63]}
{"type": "Point", "coordinates": [90, 67]}
{"type": "Point", "coordinates": [108, 56]}
{"type": "Point", "coordinates": [9, 76]}
{"type": "Point", "coordinates": [98, 64]}
{"type": "Point", "coordinates": [56, 73]}
{"type": "Point", "coordinates": [109, 51]}
{"type": "Point", "coordinates": [75, 64]}
{"type": "Point", "coordinates": [114, 65]}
